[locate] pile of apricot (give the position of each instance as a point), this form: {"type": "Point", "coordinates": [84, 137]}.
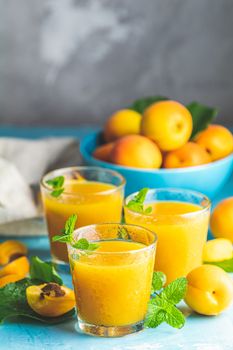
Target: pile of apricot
{"type": "Point", "coordinates": [47, 299]}
{"type": "Point", "coordinates": [161, 137]}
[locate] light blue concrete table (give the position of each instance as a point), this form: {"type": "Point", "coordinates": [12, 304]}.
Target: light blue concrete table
{"type": "Point", "coordinates": [199, 333]}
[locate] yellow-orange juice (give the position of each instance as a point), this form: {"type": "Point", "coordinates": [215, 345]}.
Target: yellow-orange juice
{"type": "Point", "coordinates": [113, 283]}
{"type": "Point", "coordinates": [181, 228]}
{"type": "Point", "coordinates": [92, 201]}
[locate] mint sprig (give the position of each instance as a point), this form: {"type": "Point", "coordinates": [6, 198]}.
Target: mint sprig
{"type": "Point", "coordinates": [68, 230]}
{"type": "Point", "coordinates": [162, 306]}
{"type": "Point", "coordinates": [57, 185]}
{"type": "Point", "coordinates": [67, 236]}
{"type": "Point", "coordinates": [158, 281]}
{"type": "Point", "coordinates": [84, 244]}
{"type": "Point", "coordinates": [137, 203]}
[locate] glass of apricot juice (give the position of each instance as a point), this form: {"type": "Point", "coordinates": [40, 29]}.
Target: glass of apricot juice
{"type": "Point", "coordinates": [112, 283]}
{"type": "Point", "coordinates": [94, 194]}
{"type": "Point", "coordinates": [180, 219]}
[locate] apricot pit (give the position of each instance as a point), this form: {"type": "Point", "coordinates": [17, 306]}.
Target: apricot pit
{"type": "Point", "coordinates": [50, 299]}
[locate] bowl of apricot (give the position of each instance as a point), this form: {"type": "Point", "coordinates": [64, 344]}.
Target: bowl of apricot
{"type": "Point", "coordinates": [158, 142]}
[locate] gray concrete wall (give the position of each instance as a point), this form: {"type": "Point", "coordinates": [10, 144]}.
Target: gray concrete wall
{"type": "Point", "coordinates": [70, 62]}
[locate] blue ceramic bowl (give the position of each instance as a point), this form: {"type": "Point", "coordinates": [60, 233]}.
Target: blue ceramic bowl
{"type": "Point", "coordinates": [207, 179]}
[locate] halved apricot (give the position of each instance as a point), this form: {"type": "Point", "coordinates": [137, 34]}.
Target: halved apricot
{"type": "Point", "coordinates": [9, 250]}
{"type": "Point", "coordinates": [50, 299]}
{"type": "Point", "coordinates": [18, 266]}
{"type": "Point", "coordinates": [9, 279]}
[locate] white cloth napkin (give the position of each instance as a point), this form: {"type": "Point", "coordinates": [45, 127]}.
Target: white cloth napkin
{"type": "Point", "coordinates": [22, 164]}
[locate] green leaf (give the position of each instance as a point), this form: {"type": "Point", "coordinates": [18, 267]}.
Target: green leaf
{"type": "Point", "coordinates": [142, 103]}
{"type": "Point", "coordinates": [202, 116]}
{"type": "Point", "coordinates": [13, 302]}
{"type": "Point", "coordinates": [57, 193]}
{"type": "Point", "coordinates": [148, 210]}
{"type": "Point", "coordinates": [154, 317]}
{"type": "Point", "coordinates": [123, 233]}
{"type": "Point", "coordinates": [226, 265]}
{"type": "Point", "coordinates": [158, 281]}
{"type": "Point", "coordinates": [57, 184]}
{"type": "Point", "coordinates": [70, 225]}
{"type": "Point", "coordinates": [175, 291]}
{"type": "Point", "coordinates": [61, 238]}
{"type": "Point", "coordinates": [93, 246]}
{"type": "Point", "coordinates": [44, 271]}
{"type": "Point", "coordinates": [68, 230]}
{"type": "Point", "coordinates": [84, 244]}
{"type": "Point", "coordinates": [160, 310]}
{"type": "Point", "coordinates": [137, 203]}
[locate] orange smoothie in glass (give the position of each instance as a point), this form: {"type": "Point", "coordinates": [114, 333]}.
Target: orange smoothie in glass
{"type": "Point", "coordinates": [180, 219]}
{"type": "Point", "coordinates": [94, 194]}
{"type": "Point", "coordinates": [113, 283]}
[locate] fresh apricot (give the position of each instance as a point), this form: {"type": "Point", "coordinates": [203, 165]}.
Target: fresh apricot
{"type": "Point", "coordinates": [190, 154]}
{"type": "Point", "coordinates": [217, 140]}
{"type": "Point", "coordinates": [50, 299]}
{"type": "Point", "coordinates": [103, 152]}
{"type": "Point", "coordinates": [121, 123]}
{"type": "Point", "coordinates": [9, 279]}
{"type": "Point", "coordinates": [210, 290]}
{"type": "Point", "coordinates": [168, 123]}
{"type": "Point", "coordinates": [18, 266]}
{"type": "Point", "coordinates": [136, 151]}
{"type": "Point", "coordinates": [221, 220]}
{"type": "Point", "coordinates": [218, 249]}
{"type": "Point", "coordinates": [10, 249]}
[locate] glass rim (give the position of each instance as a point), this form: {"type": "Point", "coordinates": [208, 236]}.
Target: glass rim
{"type": "Point", "coordinates": [173, 190]}
{"type": "Point", "coordinates": [59, 171]}
{"type": "Point", "coordinates": [88, 227]}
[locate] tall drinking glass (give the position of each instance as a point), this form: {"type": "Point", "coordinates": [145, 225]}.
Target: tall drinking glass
{"type": "Point", "coordinates": [94, 194]}
{"type": "Point", "coordinates": [112, 284]}
{"type": "Point", "coordinates": [180, 219]}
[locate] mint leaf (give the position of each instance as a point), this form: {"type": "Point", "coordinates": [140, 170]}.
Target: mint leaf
{"type": "Point", "coordinates": [226, 265]}
{"type": "Point", "coordinates": [13, 302]}
{"type": "Point", "coordinates": [123, 233]}
{"type": "Point", "coordinates": [84, 244]}
{"type": "Point", "coordinates": [67, 236]}
{"type": "Point", "coordinates": [137, 203]}
{"type": "Point", "coordinates": [57, 193]}
{"type": "Point", "coordinates": [68, 230]}
{"type": "Point", "coordinates": [160, 310]}
{"type": "Point", "coordinates": [202, 116]}
{"type": "Point", "coordinates": [155, 316]}
{"type": "Point", "coordinates": [93, 246]}
{"type": "Point", "coordinates": [43, 271]}
{"type": "Point", "coordinates": [148, 210]}
{"type": "Point", "coordinates": [57, 184]}
{"type": "Point", "coordinates": [158, 281]}
{"type": "Point", "coordinates": [175, 291]}
{"type": "Point", "coordinates": [141, 104]}
{"type": "Point", "coordinates": [174, 316]}
{"type": "Point", "coordinates": [70, 225]}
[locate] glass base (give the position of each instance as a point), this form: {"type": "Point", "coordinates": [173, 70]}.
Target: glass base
{"type": "Point", "coordinates": [108, 332]}
{"type": "Point", "coordinates": [60, 265]}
